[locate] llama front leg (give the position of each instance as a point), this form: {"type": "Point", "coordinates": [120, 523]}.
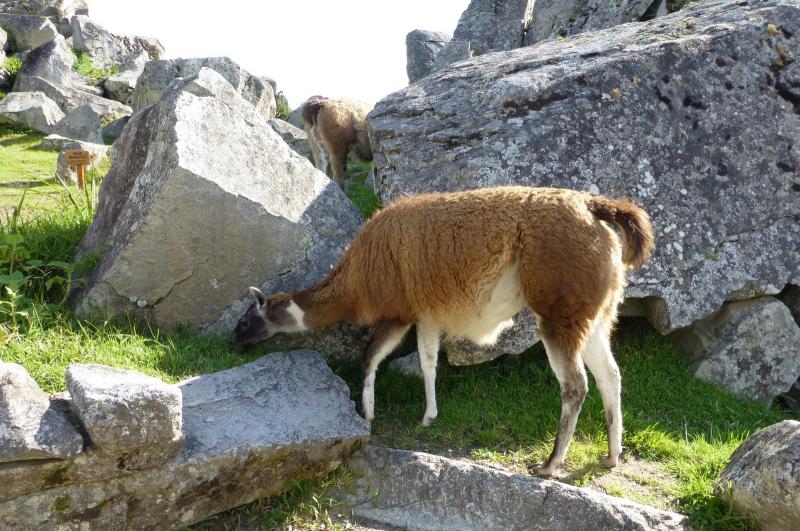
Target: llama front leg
{"type": "Point", "coordinates": [428, 335]}
{"type": "Point", "coordinates": [385, 338]}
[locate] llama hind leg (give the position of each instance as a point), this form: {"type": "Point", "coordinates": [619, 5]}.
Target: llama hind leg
{"type": "Point", "coordinates": [428, 337]}
{"type": "Point", "coordinates": [600, 361]}
{"type": "Point", "coordinates": [385, 338]}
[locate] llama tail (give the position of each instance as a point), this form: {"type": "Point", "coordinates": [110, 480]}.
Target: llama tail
{"type": "Point", "coordinates": [311, 109]}
{"type": "Point", "coordinates": [634, 223]}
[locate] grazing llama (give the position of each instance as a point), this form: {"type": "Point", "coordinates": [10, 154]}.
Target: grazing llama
{"type": "Point", "coordinates": [462, 265]}
{"type": "Point", "coordinates": [336, 128]}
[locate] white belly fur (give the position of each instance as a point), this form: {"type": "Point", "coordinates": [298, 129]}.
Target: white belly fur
{"type": "Point", "coordinates": [496, 314]}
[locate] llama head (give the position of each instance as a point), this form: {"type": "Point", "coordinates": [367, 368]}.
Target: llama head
{"type": "Point", "coordinates": [265, 318]}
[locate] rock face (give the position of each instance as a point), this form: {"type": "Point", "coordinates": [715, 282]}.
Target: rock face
{"type": "Point", "coordinates": [606, 112]}
{"type": "Point", "coordinates": [559, 18]}
{"type": "Point", "coordinates": [28, 32]}
{"type": "Point", "coordinates": [120, 86]}
{"type": "Point", "coordinates": [30, 427]}
{"type": "Point", "coordinates": [762, 479]}
{"type": "Point", "coordinates": [33, 109]}
{"type": "Point", "coordinates": [69, 98]}
{"type": "Point", "coordinates": [248, 431]}
{"type": "Point", "coordinates": [51, 61]}
{"type": "Point", "coordinates": [421, 50]}
{"type": "Point", "coordinates": [158, 75]}
{"type": "Point", "coordinates": [81, 123]}
{"type": "Point", "coordinates": [748, 347]}
{"type": "Point", "coordinates": [106, 48]}
{"type": "Point", "coordinates": [414, 490]}
{"type": "Point", "coordinates": [201, 171]}
{"type": "Point", "coordinates": [66, 172]}
{"type": "Point", "coordinates": [489, 25]}
{"type": "Point", "coordinates": [296, 138]}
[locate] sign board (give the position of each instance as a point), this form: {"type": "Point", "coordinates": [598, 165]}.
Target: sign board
{"type": "Point", "coordinates": [78, 157]}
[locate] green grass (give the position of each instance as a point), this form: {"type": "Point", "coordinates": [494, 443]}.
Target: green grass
{"type": "Point", "coordinates": [84, 66]}
{"type": "Point", "coordinates": [12, 65]}
{"type": "Point", "coordinates": [25, 169]}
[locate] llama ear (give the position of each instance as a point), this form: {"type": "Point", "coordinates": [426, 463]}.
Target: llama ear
{"type": "Point", "coordinates": [261, 299]}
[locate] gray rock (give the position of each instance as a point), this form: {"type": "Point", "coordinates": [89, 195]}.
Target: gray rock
{"type": "Point", "coordinates": [748, 347]}
{"type": "Point", "coordinates": [408, 365]}
{"type": "Point", "coordinates": [51, 61]}
{"type": "Point", "coordinates": [158, 75]}
{"type": "Point", "coordinates": [491, 25]}
{"type": "Point", "coordinates": [70, 98]}
{"type": "Point", "coordinates": [33, 109]}
{"type": "Point", "coordinates": [607, 112]}
{"type": "Point", "coordinates": [454, 51]}
{"type": "Point", "coordinates": [113, 130]}
{"type": "Point", "coordinates": [296, 118]}
{"type": "Point", "coordinates": [106, 48]}
{"type": "Point", "coordinates": [520, 337]}
{"type": "Point", "coordinates": [414, 490]}
{"type": "Point", "coordinates": [249, 431]}
{"type": "Point", "coordinates": [127, 413]}
{"type": "Point", "coordinates": [198, 171]}
{"type": "Point", "coordinates": [762, 480]}
{"type": "Point", "coordinates": [27, 32]}
{"type": "Point", "coordinates": [296, 138]}
{"type": "Point", "coordinates": [120, 86]}
{"type": "Point", "coordinates": [560, 18]}
{"type": "Point", "coordinates": [64, 171]}
{"type": "Point", "coordinates": [421, 50]}
{"type": "Point", "coordinates": [30, 427]}
{"type": "Point", "coordinates": [54, 142]}
{"type": "Point", "coordinates": [81, 123]}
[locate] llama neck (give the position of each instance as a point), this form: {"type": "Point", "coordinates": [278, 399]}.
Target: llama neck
{"type": "Point", "coordinates": [324, 304]}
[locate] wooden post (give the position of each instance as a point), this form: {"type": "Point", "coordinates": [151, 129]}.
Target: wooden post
{"type": "Point", "coordinates": [79, 158]}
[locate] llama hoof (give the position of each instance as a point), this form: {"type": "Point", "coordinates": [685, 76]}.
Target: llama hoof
{"type": "Point", "coordinates": [426, 421]}
{"type": "Point", "coordinates": [610, 462]}
{"type": "Point", "coordinates": [543, 470]}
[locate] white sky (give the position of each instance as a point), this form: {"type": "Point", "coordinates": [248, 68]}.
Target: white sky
{"type": "Point", "coordinates": [336, 48]}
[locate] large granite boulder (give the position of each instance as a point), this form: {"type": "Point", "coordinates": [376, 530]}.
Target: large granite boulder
{"type": "Point", "coordinates": [652, 111]}
{"type": "Point", "coordinates": [559, 18]}
{"type": "Point", "coordinates": [30, 427]}
{"type": "Point", "coordinates": [70, 98]}
{"type": "Point", "coordinates": [249, 432]}
{"type": "Point", "coordinates": [489, 25]}
{"type": "Point", "coordinates": [33, 109]}
{"type": "Point", "coordinates": [51, 61]}
{"type": "Point", "coordinates": [106, 48]}
{"type": "Point", "coordinates": [82, 123]}
{"type": "Point", "coordinates": [203, 173]}
{"type": "Point", "coordinates": [27, 32]}
{"type": "Point", "coordinates": [121, 85]}
{"type": "Point", "coordinates": [158, 75]}
{"type": "Point", "coordinates": [421, 50]}
{"type": "Point", "coordinates": [762, 480]}
{"type": "Point", "coordinates": [749, 347]}
{"type": "Point", "coordinates": [415, 490]}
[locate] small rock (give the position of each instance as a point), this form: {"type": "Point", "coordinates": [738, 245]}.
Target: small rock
{"type": "Point", "coordinates": [113, 130]}
{"type": "Point", "coordinates": [67, 173]}
{"type": "Point", "coordinates": [408, 365]}
{"type": "Point", "coordinates": [521, 336]}
{"type": "Point", "coordinates": [422, 47]}
{"type": "Point", "coordinates": [33, 109]}
{"type": "Point", "coordinates": [120, 86]}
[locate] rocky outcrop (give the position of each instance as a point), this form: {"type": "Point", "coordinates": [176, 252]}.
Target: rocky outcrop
{"type": "Point", "coordinates": [158, 75]}
{"type": "Point", "coordinates": [51, 61]}
{"type": "Point", "coordinates": [69, 98]}
{"type": "Point", "coordinates": [81, 123]}
{"type": "Point", "coordinates": [27, 32]}
{"type": "Point", "coordinates": [489, 25]}
{"type": "Point", "coordinates": [64, 171]}
{"type": "Point", "coordinates": [422, 47]}
{"type": "Point", "coordinates": [651, 111]}
{"type": "Point", "coordinates": [248, 432]}
{"type": "Point", "coordinates": [120, 86]}
{"type": "Point", "coordinates": [414, 490]}
{"type": "Point", "coordinates": [30, 426]}
{"type": "Point", "coordinates": [106, 48]}
{"type": "Point", "coordinates": [748, 347]}
{"type": "Point", "coordinates": [296, 138]}
{"type": "Point", "coordinates": [560, 18]}
{"type": "Point", "coordinates": [59, 12]}
{"type": "Point", "coordinates": [203, 172]}
{"type": "Point", "coordinates": [762, 480]}
{"type": "Point", "coordinates": [33, 109]}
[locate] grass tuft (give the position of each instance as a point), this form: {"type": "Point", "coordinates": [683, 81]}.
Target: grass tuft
{"type": "Point", "coordinates": [85, 67]}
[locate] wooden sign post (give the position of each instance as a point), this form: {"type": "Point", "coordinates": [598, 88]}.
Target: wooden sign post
{"type": "Point", "coordinates": [79, 158]}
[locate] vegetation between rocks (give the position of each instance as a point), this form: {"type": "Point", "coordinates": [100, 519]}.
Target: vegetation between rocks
{"type": "Point", "coordinates": [84, 66]}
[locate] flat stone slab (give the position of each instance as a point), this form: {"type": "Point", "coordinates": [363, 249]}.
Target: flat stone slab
{"type": "Point", "coordinates": [30, 427]}
{"type": "Point", "coordinates": [415, 490]}
{"type": "Point", "coordinates": [248, 431]}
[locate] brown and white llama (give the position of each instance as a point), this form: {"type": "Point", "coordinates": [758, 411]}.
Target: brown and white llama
{"type": "Point", "coordinates": [462, 265]}
{"type": "Point", "coordinates": [336, 128]}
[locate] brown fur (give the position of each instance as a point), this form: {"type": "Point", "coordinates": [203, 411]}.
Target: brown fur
{"type": "Point", "coordinates": [338, 127]}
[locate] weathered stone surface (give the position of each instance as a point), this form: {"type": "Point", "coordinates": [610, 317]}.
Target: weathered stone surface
{"type": "Point", "coordinates": [81, 123]}
{"type": "Point", "coordinates": [106, 48]}
{"type": "Point", "coordinates": [454, 50]}
{"type": "Point", "coordinates": [414, 490]}
{"type": "Point", "coordinates": [520, 337]}
{"type": "Point", "coordinates": [607, 112]}
{"type": "Point", "coordinates": [296, 138]}
{"type": "Point", "coordinates": [560, 18]}
{"type": "Point", "coordinates": [128, 413]}
{"type": "Point", "coordinates": [762, 479]}
{"type": "Point", "coordinates": [248, 430]}
{"type": "Point", "coordinates": [30, 427]}
{"type": "Point", "coordinates": [158, 75]}
{"type": "Point", "coordinates": [748, 347]}
{"type": "Point", "coordinates": [69, 98]}
{"type": "Point", "coordinates": [64, 171]}
{"type": "Point", "coordinates": [113, 130]}
{"type": "Point", "coordinates": [198, 171]}
{"type": "Point", "coordinates": [421, 50]}
{"type": "Point", "coordinates": [489, 25]}
{"type": "Point", "coordinates": [408, 365]}
{"type": "Point", "coordinates": [51, 61]}
{"type": "Point", "coordinates": [33, 109]}
{"type": "Point", "coordinates": [28, 32]}
{"type": "Point", "coordinates": [120, 86]}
